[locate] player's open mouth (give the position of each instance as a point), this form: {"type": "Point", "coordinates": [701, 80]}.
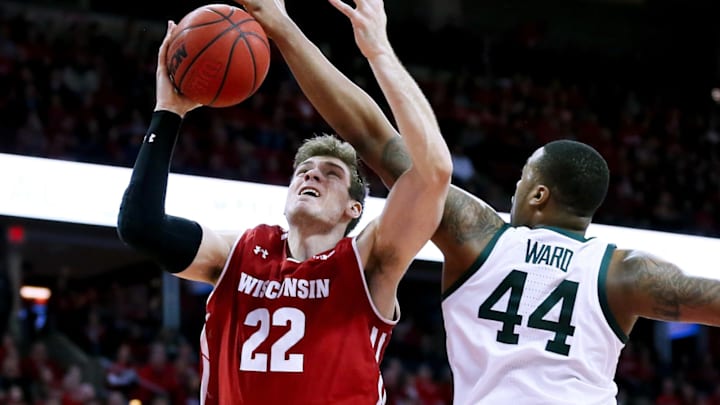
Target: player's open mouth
{"type": "Point", "coordinates": [308, 191]}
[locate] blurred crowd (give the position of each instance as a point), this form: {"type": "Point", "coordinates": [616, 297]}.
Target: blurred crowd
{"type": "Point", "coordinates": [80, 87]}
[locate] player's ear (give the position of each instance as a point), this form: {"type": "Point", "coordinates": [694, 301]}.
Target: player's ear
{"type": "Point", "coordinates": [354, 209]}
{"type": "Point", "coordinates": [540, 195]}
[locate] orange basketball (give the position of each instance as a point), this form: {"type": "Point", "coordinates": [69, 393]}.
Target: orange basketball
{"type": "Point", "coordinates": [219, 55]}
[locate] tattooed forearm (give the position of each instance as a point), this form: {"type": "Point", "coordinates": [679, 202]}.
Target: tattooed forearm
{"type": "Point", "coordinates": [669, 289]}
{"type": "Point", "coordinates": [466, 218]}
{"type": "Point", "coordinates": [395, 158]}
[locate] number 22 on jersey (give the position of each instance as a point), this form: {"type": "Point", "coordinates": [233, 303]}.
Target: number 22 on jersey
{"type": "Point", "coordinates": [278, 359]}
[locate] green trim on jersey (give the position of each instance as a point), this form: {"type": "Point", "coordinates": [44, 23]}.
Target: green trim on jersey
{"type": "Point", "coordinates": [602, 277]}
{"type": "Point", "coordinates": [571, 235]}
{"type": "Point", "coordinates": [478, 262]}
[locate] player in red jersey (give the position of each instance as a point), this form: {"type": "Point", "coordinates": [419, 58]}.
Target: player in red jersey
{"type": "Point", "coordinates": [300, 315]}
{"type": "Point", "coordinates": [515, 351]}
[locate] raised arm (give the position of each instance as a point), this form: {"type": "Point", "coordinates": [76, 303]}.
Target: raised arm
{"type": "Point", "coordinates": [413, 208]}
{"type": "Point", "coordinates": [180, 246]}
{"type": "Point", "coordinates": [467, 224]}
{"type": "Point", "coordinates": [347, 108]}
{"type": "Point", "coordinates": [642, 285]}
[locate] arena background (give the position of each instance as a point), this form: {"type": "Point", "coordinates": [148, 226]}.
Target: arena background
{"type": "Point", "coordinates": [634, 78]}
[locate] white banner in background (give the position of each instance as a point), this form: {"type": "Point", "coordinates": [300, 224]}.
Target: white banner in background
{"type": "Point", "coordinates": [90, 194]}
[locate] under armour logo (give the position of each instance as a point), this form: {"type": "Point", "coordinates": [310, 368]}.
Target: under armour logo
{"type": "Point", "coordinates": [258, 250]}
{"type": "Point", "coordinates": [324, 256]}
{"type": "Point", "coordinates": [149, 138]}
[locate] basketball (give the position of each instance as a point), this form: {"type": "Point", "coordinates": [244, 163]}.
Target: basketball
{"type": "Point", "coordinates": [218, 56]}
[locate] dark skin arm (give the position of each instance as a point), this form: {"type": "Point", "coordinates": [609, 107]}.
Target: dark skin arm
{"type": "Point", "coordinates": [642, 285]}
{"type": "Point", "coordinates": [467, 226]}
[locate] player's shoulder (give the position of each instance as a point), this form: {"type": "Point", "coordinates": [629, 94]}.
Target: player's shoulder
{"type": "Point", "coordinates": [627, 262]}
{"type": "Point", "coordinates": [266, 234]}
{"type": "Point", "coordinates": [554, 232]}
{"type": "Point", "coordinates": [267, 229]}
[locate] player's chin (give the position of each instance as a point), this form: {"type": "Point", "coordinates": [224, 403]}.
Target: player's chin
{"type": "Point", "coordinates": [302, 210]}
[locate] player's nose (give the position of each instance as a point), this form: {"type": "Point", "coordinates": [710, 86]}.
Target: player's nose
{"type": "Point", "coordinates": [313, 174]}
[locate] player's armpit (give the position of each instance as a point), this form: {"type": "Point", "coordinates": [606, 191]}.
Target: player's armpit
{"type": "Point", "coordinates": [660, 290]}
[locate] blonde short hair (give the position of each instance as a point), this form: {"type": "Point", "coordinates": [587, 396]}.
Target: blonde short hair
{"type": "Point", "coordinates": [330, 145]}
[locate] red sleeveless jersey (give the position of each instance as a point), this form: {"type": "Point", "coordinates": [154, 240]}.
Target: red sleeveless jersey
{"type": "Point", "coordinates": [279, 331]}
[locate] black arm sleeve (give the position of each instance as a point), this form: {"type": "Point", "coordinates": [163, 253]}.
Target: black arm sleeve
{"type": "Point", "coordinates": [142, 224]}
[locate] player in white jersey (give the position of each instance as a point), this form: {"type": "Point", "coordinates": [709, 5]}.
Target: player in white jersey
{"type": "Point", "coordinates": [562, 185]}
{"type": "Point", "coordinates": [535, 300]}
{"type": "Point", "coordinates": [545, 309]}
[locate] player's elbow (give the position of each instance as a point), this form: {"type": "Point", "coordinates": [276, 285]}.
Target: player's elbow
{"type": "Point", "coordinates": [446, 170]}
{"type": "Point", "coordinates": [441, 172]}
{"type": "Point", "coordinates": [441, 164]}
{"type": "Point", "coordinates": [134, 224]}
{"type": "Point", "coordinates": [131, 227]}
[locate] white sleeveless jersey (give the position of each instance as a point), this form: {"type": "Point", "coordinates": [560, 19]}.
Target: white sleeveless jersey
{"type": "Point", "coordinates": [529, 322]}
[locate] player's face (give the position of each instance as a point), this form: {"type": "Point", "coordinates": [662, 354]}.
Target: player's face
{"type": "Point", "coordinates": [319, 192]}
{"type": "Point", "coordinates": [520, 212]}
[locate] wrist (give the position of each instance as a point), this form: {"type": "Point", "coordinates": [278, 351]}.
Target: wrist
{"type": "Point", "coordinates": [382, 54]}
{"type": "Point", "coordinates": [171, 110]}
{"type": "Point", "coordinates": [165, 123]}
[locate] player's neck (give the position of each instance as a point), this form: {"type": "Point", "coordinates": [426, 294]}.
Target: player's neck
{"type": "Point", "coordinates": [574, 224]}
{"type": "Point", "coordinates": [302, 246]}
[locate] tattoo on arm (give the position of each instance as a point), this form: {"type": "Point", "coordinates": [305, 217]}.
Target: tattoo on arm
{"type": "Point", "coordinates": [395, 158]}
{"type": "Point", "coordinates": [466, 218]}
{"type": "Point", "coordinates": [669, 288]}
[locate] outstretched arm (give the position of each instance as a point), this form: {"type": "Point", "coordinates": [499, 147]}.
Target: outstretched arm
{"type": "Point", "coordinates": [179, 245]}
{"type": "Point", "coordinates": [413, 208]}
{"type": "Point", "coordinates": [347, 108]}
{"type": "Point", "coordinates": [467, 224]}
{"type": "Point", "coordinates": [642, 285]}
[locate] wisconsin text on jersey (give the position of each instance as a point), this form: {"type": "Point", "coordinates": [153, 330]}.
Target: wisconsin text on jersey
{"type": "Point", "coordinates": [288, 287]}
{"type": "Point", "coordinates": [547, 254]}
